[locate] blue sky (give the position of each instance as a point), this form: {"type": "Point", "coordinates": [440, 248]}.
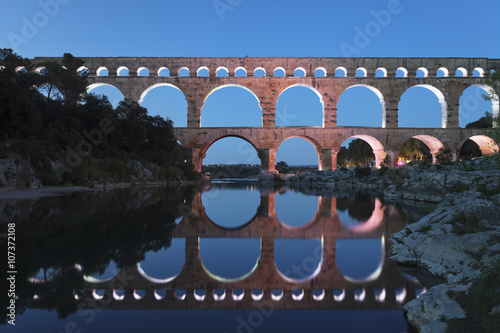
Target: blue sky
{"type": "Point", "coordinates": [261, 28]}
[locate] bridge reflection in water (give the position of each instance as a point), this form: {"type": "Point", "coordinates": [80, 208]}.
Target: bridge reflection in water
{"type": "Point", "coordinates": [324, 287]}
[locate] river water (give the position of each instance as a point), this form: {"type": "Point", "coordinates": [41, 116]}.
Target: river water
{"type": "Point", "coordinates": [232, 257]}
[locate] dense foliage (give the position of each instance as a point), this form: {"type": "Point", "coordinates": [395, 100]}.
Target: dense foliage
{"type": "Point", "coordinates": [48, 116]}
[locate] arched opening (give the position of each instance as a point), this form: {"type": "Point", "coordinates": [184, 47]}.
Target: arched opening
{"type": "Point", "coordinates": [485, 144]}
{"type": "Point", "coordinates": [443, 72]}
{"type": "Point", "coordinates": [401, 72]}
{"type": "Point", "coordinates": [164, 71]}
{"type": "Point", "coordinates": [183, 72]}
{"type": "Point", "coordinates": [222, 72]}
{"type": "Point", "coordinates": [422, 72]}
{"type": "Point", "coordinates": [230, 207]}
{"type": "Point", "coordinates": [363, 214]}
{"type": "Point", "coordinates": [361, 105]}
{"type": "Point", "coordinates": [361, 72]}
{"type": "Point", "coordinates": [295, 209]}
{"type": "Point", "coordinates": [107, 274]}
{"type": "Point", "coordinates": [231, 106]}
{"type": "Point", "coordinates": [470, 150]}
{"type": "Point", "coordinates": [360, 260]}
{"type": "Point", "coordinates": [478, 72]}
{"type": "Point", "coordinates": [142, 71]}
{"type": "Point", "coordinates": [473, 106]}
{"type": "Point", "coordinates": [41, 70]}
{"type": "Point", "coordinates": [320, 72]}
{"type": "Point", "coordinates": [461, 72]}
{"type": "Point", "coordinates": [102, 71]}
{"type": "Point", "coordinates": [113, 94]}
{"type": "Point", "coordinates": [167, 101]}
{"type": "Point", "coordinates": [122, 71]}
{"type": "Point", "coordinates": [300, 105]}
{"type": "Point", "coordinates": [164, 265]}
{"type": "Point", "coordinates": [279, 72]}
{"type": "Point", "coordinates": [361, 150]}
{"type": "Point", "coordinates": [203, 72]}
{"type": "Point", "coordinates": [423, 106]}
{"type": "Point", "coordinates": [298, 153]}
{"type": "Point", "coordinates": [21, 69]}
{"type": "Point", "coordinates": [341, 72]}
{"type": "Point", "coordinates": [230, 259]}
{"type": "Point", "coordinates": [381, 72]}
{"type": "Point", "coordinates": [259, 72]}
{"type": "Point", "coordinates": [414, 150]}
{"type": "Point", "coordinates": [298, 260]}
{"type": "Point", "coordinates": [232, 151]}
{"type": "Point", "coordinates": [240, 72]}
{"type": "Point", "coordinates": [83, 71]}
{"type": "Point", "coordinates": [432, 144]}
{"type": "Point", "coordinates": [299, 72]}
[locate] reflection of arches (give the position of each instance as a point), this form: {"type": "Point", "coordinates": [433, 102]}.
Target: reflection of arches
{"type": "Point", "coordinates": [441, 100]}
{"type": "Point", "coordinates": [284, 118]}
{"type": "Point", "coordinates": [229, 259]}
{"type": "Point", "coordinates": [373, 222]}
{"type": "Point", "coordinates": [486, 144]}
{"type": "Point", "coordinates": [298, 260]}
{"type": "Point", "coordinates": [225, 116]}
{"type": "Point", "coordinates": [380, 98]}
{"type": "Point", "coordinates": [360, 260]}
{"type": "Point", "coordinates": [165, 265]}
{"type": "Point", "coordinates": [296, 210]}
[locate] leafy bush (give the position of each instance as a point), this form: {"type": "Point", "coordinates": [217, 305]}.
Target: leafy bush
{"type": "Point", "coordinates": [362, 172]}
{"type": "Point", "coordinates": [444, 156]}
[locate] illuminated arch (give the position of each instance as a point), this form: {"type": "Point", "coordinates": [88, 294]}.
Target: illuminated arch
{"type": "Point", "coordinates": [381, 70]}
{"type": "Point", "coordinates": [423, 70]}
{"type": "Point", "coordinates": [101, 70]}
{"type": "Point", "coordinates": [41, 70]}
{"type": "Point", "coordinates": [441, 100]}
{"type": "Point", "coordinates": [322, 69]}
{"type": "Point", "coordinates": [485, 143]}
{"type": "Point", "coordinates": [232, 85]}
{"type": "Point", "coordinates": [296, 210]}
{"type": "Point", "coordinates": [120, 69]}
{"type": "Point", "coordinates": [373, 222]}
{"type": "Point", "coordinates": [377, 147]}
{"type": "Point", "coordinates": [183, 68]}
{"type": "Point", "coordinates": [208, 145]}
{"type": "Point", "coordinates": [97, 85]}
{"type": "Point", "coordinates": [164, 70]}
{"type": "Point", "coordinates": [240, 68]}
{"type": "Point", "coordinates": [259, 69]}
{"type": "Point", "coordinates": [444, 70]}
{"type": "Point", "coordinates": [480, 72]}
{"type": "Point", "coordinates": [344, 247]}
{"type": "Point", "coordinates": [401, 72]}
{"type": "Point", "coordinates": [308, 268]}
{"type": "Point", "coordinates": [312, 89]}
{"type": "Point", "coordinates": [495, 106]}
{"type": "Point", "coordinates": [431, 142]}
{"type": "Point", "coordinates": [380, 97]}
{"type": "Point", "coordinates": [145, 92]}
{"type": "Point", "coordinates": [461, 70]}
{"type": "Point", "coordinates": [361, 70]}
{"type": "Point", "coordinates": [82, 70]}
{"type": "Point", "coordinates": [341, 69]}
{"type": "Point", "coordinates": [222, 68]}
{"type": "Point", "coordinates": [173, 258]}
{"type": "Point", "coordinates": [300, 69]}
{"type": "Point", "coordinates": [230, 249]}
{"type": "Point", "coordinates": [144, 70]}
{"type": "Point", "coordinates": [279, 69]}
{"type": "Point", "coordinates": [201, 69]}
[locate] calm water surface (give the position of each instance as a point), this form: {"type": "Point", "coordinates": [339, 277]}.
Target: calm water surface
{"type": "Point", "coordinates": [229, 258]}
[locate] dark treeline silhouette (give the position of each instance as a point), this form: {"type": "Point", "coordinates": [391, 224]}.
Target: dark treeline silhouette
{"type": "Point", "coordinates": [48, 116]}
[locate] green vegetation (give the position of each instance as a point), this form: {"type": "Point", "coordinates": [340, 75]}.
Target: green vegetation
{"type": "Point", "coordinates": [414, 149]}
{"type": "Point", "coordinates": [224, 171]}
{"type": "Point", "coordinates": [359, 153]}
{"type": "Point", "coordinates": [444, 156]}
{"type": "Point", "coordinates": [71, 136]}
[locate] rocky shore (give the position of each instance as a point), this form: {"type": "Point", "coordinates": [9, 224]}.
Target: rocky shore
{"type": "Point", "coordinates": [459, 242]}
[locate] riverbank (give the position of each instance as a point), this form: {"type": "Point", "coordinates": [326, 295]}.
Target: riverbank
{"type": "Point", "coordinates": [459, 242]}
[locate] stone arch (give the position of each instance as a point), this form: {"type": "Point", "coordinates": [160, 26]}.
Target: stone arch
{"type": "Point", "coordinates": [231, 85]}
{"type": "Point", "coordinates": [41, 70]}
{"type": "Point", "coordinates": [164, 70]}
{"type": "Point", "coordinates": [145, 92]}
{"type": "Point", "coordinates": [82, 71]}
{"type": "Point", "coordinates": [341, 69]}
{"type": "Point", "coordinates": [314, 143]}
{"type": "Point", "coordinates": [313, 90]}
{"type": "Point", "coordinates": [377, 147]}
{"type": "Point", "coordinates": [177, 111]}
{"type": "Point", "coordinates": [441, 100]}
{"type": "Point", "coordinates": [222, 68]}
{"type": "Point", "coordinates": [445, 72]}
{"type": "Point", "coordinates": [205, 147]}
{"type": "Point", "coordinates": [461, 70]}
{"type": "Point", "coordinates": [279, 69]}
{"type": "Point", "coordinates": [478, 72]}
{"type": "Point", "coordinates": [101, 70]}
{"type": "Point", "coordinates": [495, 105]}
{"type": "Point", "coordinates": [21, 69]}
{"type": "Point", "coordinates": [422, 72]}
{"type": "Point", "coordinates": [142, 71]}
{"type": "Point", "coordinates": [431, 142]}
{"type": "Point", "coordinates": [401, 72]}
{"type": "Point", "coordinates": [100, 84]}
{"type": "Point", "coordinates": [300, 69]}
{"type": "Point", "coordinates": [322, 69]}
{"type": "Point", "coordinates": [185, 69]}
{"type": "Point", "coordinates": [361, 72]}
{"type": "Point", "coordinates": [381, 72]}
{"type": "Point", "coordinates": [240, 68]}
{"type": "Point", "coordinates": [203, 71]}
{"type": "Point", "coordinates": [485, 143]}
{"type": "Point", "coordinates": [380, 97]}
{"type": "Point", "coordinates": [119, 71]}
{"type": "Point", "coordinates": [255, 71]}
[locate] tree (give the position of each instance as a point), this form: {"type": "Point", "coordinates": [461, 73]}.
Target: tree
{"type": "Point", "coordinates": [282, 167]}
{"type": "Point", "coordinates": [360, 152]}
{"type": "Point", "coordinates": [485, 121]}
{"type": "Point", "coordinates": [444, 155]}
{"type": "Point", "coordinates": [414, 149]}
